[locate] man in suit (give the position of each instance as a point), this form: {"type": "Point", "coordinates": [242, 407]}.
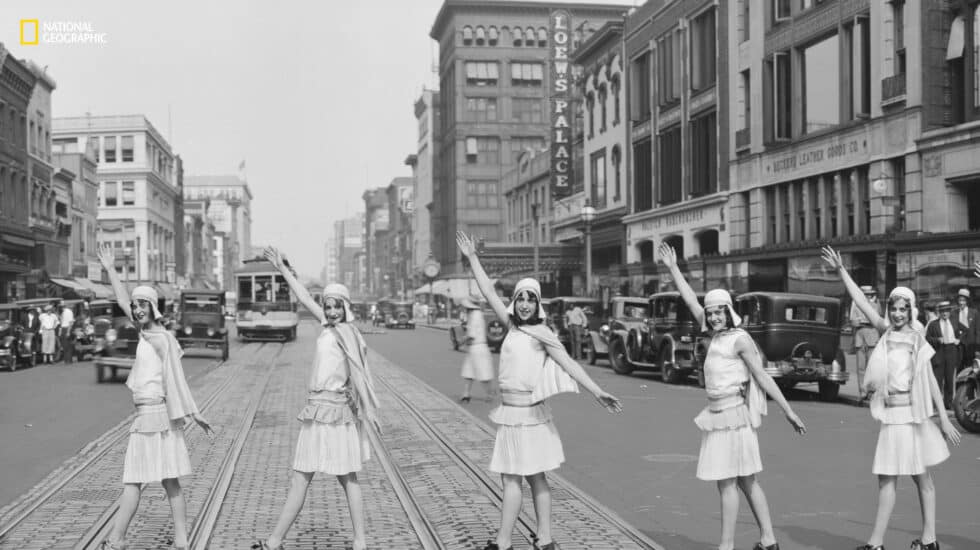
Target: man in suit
{"type": "Point", "coordinates": [969, 318]}
{"type": "Point", "coordinates": [32, 322]}
{"type": "Point", "coordinates": [944, 335]}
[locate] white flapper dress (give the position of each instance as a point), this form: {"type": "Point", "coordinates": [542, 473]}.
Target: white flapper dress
{"type": "Point", "coordinates": [527, 441]}
{"type": "Point", "coordinates": [905, 447]}
{"type": "Point", "coordinates": [330, 438]}
{"type": "Point", "coordinates": [729, 444]}
{"type": "Point", "coordinates": [478, 364]}
{"type": "Point", "coordinates": [156, 448]}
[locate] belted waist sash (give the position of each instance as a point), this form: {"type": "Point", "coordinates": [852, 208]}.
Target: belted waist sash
{"type": "Point", "coordinates": [720, 404]}
{"type": "Point", "coordinates": [515, 398]}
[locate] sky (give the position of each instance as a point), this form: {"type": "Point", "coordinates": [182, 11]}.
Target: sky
{"type": "Point", "coordinates": [316, 97]}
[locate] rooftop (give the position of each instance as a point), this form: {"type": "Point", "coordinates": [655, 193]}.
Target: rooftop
{"type": "Point", "coordinates": [451, 6]}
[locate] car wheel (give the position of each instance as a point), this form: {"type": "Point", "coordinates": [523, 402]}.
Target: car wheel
{"type": "Point", "coordinates": [966, 406]}
{"type": "Point", "coordinates": [828, 390]}
{"type": "Point", "coordinates": [617, 357]}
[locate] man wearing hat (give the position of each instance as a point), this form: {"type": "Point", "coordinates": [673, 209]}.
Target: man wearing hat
{"type": "Point", "coordinates": [968, 317]}
{"type": "Point", "coordinates": [865, 334]}
{"type": "Point", "coordinates": [944, 335]}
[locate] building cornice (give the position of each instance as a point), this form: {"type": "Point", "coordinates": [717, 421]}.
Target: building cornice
{"type": "Point", "coordinates": [452, 7]}
{"type": "Point", "coordinates": [714, 199]}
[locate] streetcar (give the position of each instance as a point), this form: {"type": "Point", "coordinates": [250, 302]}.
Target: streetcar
{"type": "Point", "coordinates": [267, 309]}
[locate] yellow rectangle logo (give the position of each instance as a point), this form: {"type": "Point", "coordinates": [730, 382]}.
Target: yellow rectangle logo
{"type": "Point", "coordinates": [29, 31]}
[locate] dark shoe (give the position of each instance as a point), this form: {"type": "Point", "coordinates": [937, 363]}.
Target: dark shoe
{"type": "Point", "coordinates": [493, 546]}
{"type": "Point", "coordinates": [261, 545]}
{"type": "Point", "coordinates": [549, 546]}
{"type": "Point", "coordinates": [869, 547]}
{"type": "Point", "coordinates": [917, 545]}
{"type": "Point", "coordinates": [759, 546]}
{"type": "Point", "coordinates": [464, 399]}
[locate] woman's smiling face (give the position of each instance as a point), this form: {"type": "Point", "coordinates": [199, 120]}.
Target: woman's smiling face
{"type": "Point", "coordinates": [143, 311]}
{"type": "Point", "coordinates": [526, 305]}
{"type": "Point", "coordinates": [333, 309]}
{"type": "Point", "coordinates": [899, 312]}
{"type": "Point", "coordinates": [716, 318]}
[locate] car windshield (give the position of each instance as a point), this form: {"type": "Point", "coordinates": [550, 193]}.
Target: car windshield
{"type": "Point", "coordinates": [636, 310]}
{"type": "Point", "coordinates": [101, 310]}
{"type": "Point", "coordinates": [806, 313]}
{"type": "Point", "coordinates": [201, 304]}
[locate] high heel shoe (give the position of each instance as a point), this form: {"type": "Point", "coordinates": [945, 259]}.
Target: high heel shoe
{"type": "Point", "coordinates": [493, 546]}
{"type": "Point", "coordinates": [760, 546]}
{"type": "Point", "coordinates": [464, 399]}
{"type": "Point", "coordinates": [262, 545]}
{"type": "Point", "coordinates": [869, 547]}
{"type": "Point", "coordinates": [917, 545]}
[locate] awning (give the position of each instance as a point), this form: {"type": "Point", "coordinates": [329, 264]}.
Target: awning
{"type": "Point", "coordinates": [19, 241]}
{"type": "Point", "coordinates": [954, 48]}
{"type": "Point", "coordinates": [73, 286]}
{"type": "Point", "coordinates": [101, 291]}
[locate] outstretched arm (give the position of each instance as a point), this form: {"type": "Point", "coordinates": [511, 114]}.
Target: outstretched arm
{"type": "Point", "coordinates": [669, 258]}
{"type": "Point", "coordinates": [468, 248]}
{"type": "Point", "coordinates": [750, 355]}
{"type": "Point", "coordinates": [833, 258]}
{"type": "Point", "coordinates": [302, 294]}
{"type": "Point", "coordinates": [108, 261]}
{"type": "Point", "coordinates": [949, 431]}
{"type": "Point", "coordinates": [571, 366]}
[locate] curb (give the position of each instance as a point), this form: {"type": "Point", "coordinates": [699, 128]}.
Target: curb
{"type": "Point", "coordinates": [434, 327]}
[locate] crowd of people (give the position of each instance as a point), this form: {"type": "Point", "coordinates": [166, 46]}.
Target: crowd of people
{"type": "Point", "coordinates": [54, 324]}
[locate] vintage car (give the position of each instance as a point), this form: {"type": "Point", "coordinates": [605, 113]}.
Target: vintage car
{"type": "Point", "coordinates": [799, 338]}
{"type": "Point", "coordinates": [670, 341]}
{"type": "Point", "coordinates": [360, 311]}
{"type": "Point", "coordinates": [116, 339]}
{"type": "Point", "coordinates": [201, 322]}
{"type": "Point", "coordinates": [625, 313]}
{"type": "Point", "coordinates": [558, 307]}
{"type": "Point", "coordinates": [17, 346]}
{"type": "Point", "coordinates": [496, 331]}
{"type": "Point", "coordinates": [382, 309]}
{"type": "Point", "coordinates": [400, 315]}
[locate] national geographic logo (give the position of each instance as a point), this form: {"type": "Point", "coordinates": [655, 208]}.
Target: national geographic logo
{"type": "Point", "coordinates": [34, 32]}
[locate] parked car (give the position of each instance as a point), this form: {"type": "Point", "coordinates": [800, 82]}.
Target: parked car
{"type": "Point", "coordinates": [17, 346]}
{"type": "Point", "coordinates": [383, 309]}
{"type": "Point", "coordinates": [670, 341]}
{"type": "Point", "coordinates": [360, 311]}
{"type": "Point", "coordinates": [558, 307]}
{"type": "Point", "coordinates": [496, 331]}
{"type": "Point", "coordinates": [799, 338]}
{"type": "Point", "coordinates": [400, 315]}
{"type": "Point", "coordinates": [201, 322]}
{"type": "Point", "coordinates": [625, 313]}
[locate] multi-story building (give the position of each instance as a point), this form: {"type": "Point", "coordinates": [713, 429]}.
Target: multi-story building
{"type": "Point", "coordinates": [424, 227]}
{"type": "Point", "coordinates": [678, 85]}
{"type": "Point", "coordinates": [84, 211]}
{"type": "Point", "coordinates": [231, 214]}
{"type": "Point", "coordinates": [330, 263]}
{"type": "Point", "coordinates": [16, 239]}
{"type": "Point", "coordinates": [376, 225]}
{"type": "Point", "coordinates": [861, 137]}
{"type": "Point", "coordinates": [349, 239]}
{"type": "Point", "coordinates": [401, 208]}
{"type": "Point", "coordinates": [493, 82]}
{"type": "Point", "coordinates": [137, 182]}
{"type": "Point", "coordinates": [199, 243]}
{"type": "Point", "coordinates": [180, 258]}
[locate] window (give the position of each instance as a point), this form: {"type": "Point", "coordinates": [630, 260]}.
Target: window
{"type": "Point", "coordinates": [745, 98]}
{"type": "Point", "coordinates": [127, 148]}
{"type": "Point", "coordinates": [590, 107]}
{"type": "Point", "coordinates": [492, 36]}
{"type": "Point", "coordinates": [703, 53]}
{"type": "Point", "coordinates": [744, 20]}
{"type": "Point", "coordinates": [527, 109]}
{"type": "Point", "coordinates": [616, 88]}
{"type": "Point", "coordinates": [467, 36]}
{"type": "Point", "coordinates": [110, 148]}
{"type": "Point", "coordinates": [481, 109]}
{"type": "Point", "coordinates": [670, 166]}
{"type": "Point", "coordinates": [598, 177]}
{"type": "Point", "coordinates": [782, 92]}
{"type": "Point", "coordinates": [542, 37]}
{"type": "Point", "coordinates": [526, 74]}
{"type": "Point", "coordinates": [65, 145]}
{"type": "Point", "coordinates": [617, 160]}
{"type": "Point", "coordinates": [603, 94]}
{"type": "Point", "coordinates": [704, 155]}
{"type": "Point", "coordinates": [898, 27]}
{"type": "Point", "coordinates": [519, 144]}
{"type": "Point", "coordinates": [861, 68]}
{"type": "Point", "coordinates": [111, 198]}
{"type": "Point", "coordinates": [821, 79]}
{"type": "Point", "coordinates": [669, 69]}
{"type": "Point", "coordinates": [518, 36]}
{"type": "Point", "coordinates": [780, 10]}
{"type": "Point", "coordinates": [481, 73]}
{"type": "Point", "coordinates": [529, 37]}
{"type": "Point", "coordinates": [640, 88]}
{"type": "Point", "coordinates": [802, 313]}
{"type": "Point", "coordinates": [128, 193]}
{"type": "Point", "coordinates": [643, 180]}
{"type": "Point", "coordinates": [483, 150]}
{"type": "Point", "coordinates": [481, 194]}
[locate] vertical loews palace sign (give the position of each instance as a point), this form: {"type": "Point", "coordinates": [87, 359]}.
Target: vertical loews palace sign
{"type": "Point", "coordinates": [561, 105]}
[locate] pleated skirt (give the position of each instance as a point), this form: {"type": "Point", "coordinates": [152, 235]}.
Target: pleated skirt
{"type": "Point", "coordinates": [908, 449]}
{"type": "Point", "coordinates": [527, 441]}
{"type": "Point", "coordinates": [154, 456]}
{"type": "Point", "coordinates": [478, 364]}
{"type": "Point", "coordinates": [729, 453]}
{"type": "Point", "coordinates": [335, 449]}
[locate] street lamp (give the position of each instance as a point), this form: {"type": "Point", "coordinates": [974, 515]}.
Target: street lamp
{"type": "Point", "coordinates": [588, 214]}
{"type": "Point", "coordinates": [534, 237]}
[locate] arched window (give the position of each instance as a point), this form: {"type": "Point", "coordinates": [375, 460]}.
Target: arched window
{"type": "Point", "coordinates": [590, 107]}
{"type": "Point", "coordinates": [617, 159]}
{"type": "Point", "coordinates": [645, 248]}
{"type": "Point", "coordinates": [492, 36]}
{"type": "Point", "coordinates": [467, 36]}
{"type": "Point", "coordinates": [481, 36]}
{"type": "Point", "coordinates": [542, 37]}
{"type": "Point", "coordinates": [603, 94]}
{"type": "Point", "coordinates": [616, 86]}
{"type": "Point", "coordinates": [529, 37]}
{"type": "Point", "coordinates": [576, 39]}
{"type": "Point", "coordinates": [518, 34]}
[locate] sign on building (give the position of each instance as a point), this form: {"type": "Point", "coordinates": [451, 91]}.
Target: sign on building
{"type": "Point", "coordinates": [560, 104]}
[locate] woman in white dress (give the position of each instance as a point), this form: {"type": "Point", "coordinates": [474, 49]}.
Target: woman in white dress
{"type": "Point", "coordinates": [905, 397]}
{"type": "Point", "coordinates": [49, 324]}
{"type": "Point", "coordinates": [478, 364]}
{"type": "Point", "coordinates": [340, 407]}
{"type": "Point", "coordinates": [156, 451]}
{"type": "Point", "coordinates": [533, 366]}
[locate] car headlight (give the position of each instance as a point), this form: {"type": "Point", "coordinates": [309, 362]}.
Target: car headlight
{"type": "Point", "coordinates": [604, 330]}
{"type": "Point", "coordinates": [111, 335]}
{"type": "Point", "coordinates": [188, 330]}
{"type": "Point", "coordinates": [89, 330]}
{"type": "Point", "coordinates": [210, 331]}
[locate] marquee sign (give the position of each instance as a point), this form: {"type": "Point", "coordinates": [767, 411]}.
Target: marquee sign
{"type": "Point", "coordinates": [561, 104]}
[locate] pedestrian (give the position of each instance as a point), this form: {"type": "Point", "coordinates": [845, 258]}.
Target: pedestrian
{"type": "Point", "coordinates": [906, 395]}
{"type": "Point", "coordinates": [49, 327]}
{"type": "Point", "coordinates": [156, 451]}
{"type": "Point", "coordinates": [340, 407]}
{"type": "Point", "coordinates": [478, 364]}
{"type": "Point", "coordinates": [865, 335]}
{"type": "Point", "coordinates": [576, 322]}
{"type": "Point", "coordinates": [737, 385]}
{"type": "Point", "coordinates": [945, 335]}
{"type": "Point", "coordinates": [533, 366]}
{"type": "Point", "coordinates": [969, 318]}
{"type": "Point", "coordinates": [67, 323]}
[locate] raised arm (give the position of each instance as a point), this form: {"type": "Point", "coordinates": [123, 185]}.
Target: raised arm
{"type": "Point", "coordinates": [833, 258]}
{"type": "Point", "coordinates": [302, 294]}
{"type": "Point", "coordinates": [669, 258]}
{"type": "Point", "coordinates": [108, 261]}
{"type": "Point", "coordinates": [749, 353]}
{"type": "Point", "coordinates": [468, 248]}
{"type": "Point", "coordinates": [557, 352]}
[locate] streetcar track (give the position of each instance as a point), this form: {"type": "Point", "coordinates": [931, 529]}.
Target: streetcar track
{"type": "Point", "coordinates": [107, 442]}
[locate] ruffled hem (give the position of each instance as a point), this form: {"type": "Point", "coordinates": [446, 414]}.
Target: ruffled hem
{"type": "Point", "coordinates": [327, 414]}
{"type": "Point", "coordinates": [729, 419]}
{"type": "Point", "coordinates": [152, 419]}
{"type": "Point", "coordinates": [521, 416]}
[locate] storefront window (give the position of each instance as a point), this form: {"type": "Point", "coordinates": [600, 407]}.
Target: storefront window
{"type": "Point", "coordinates": [821, 104]}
